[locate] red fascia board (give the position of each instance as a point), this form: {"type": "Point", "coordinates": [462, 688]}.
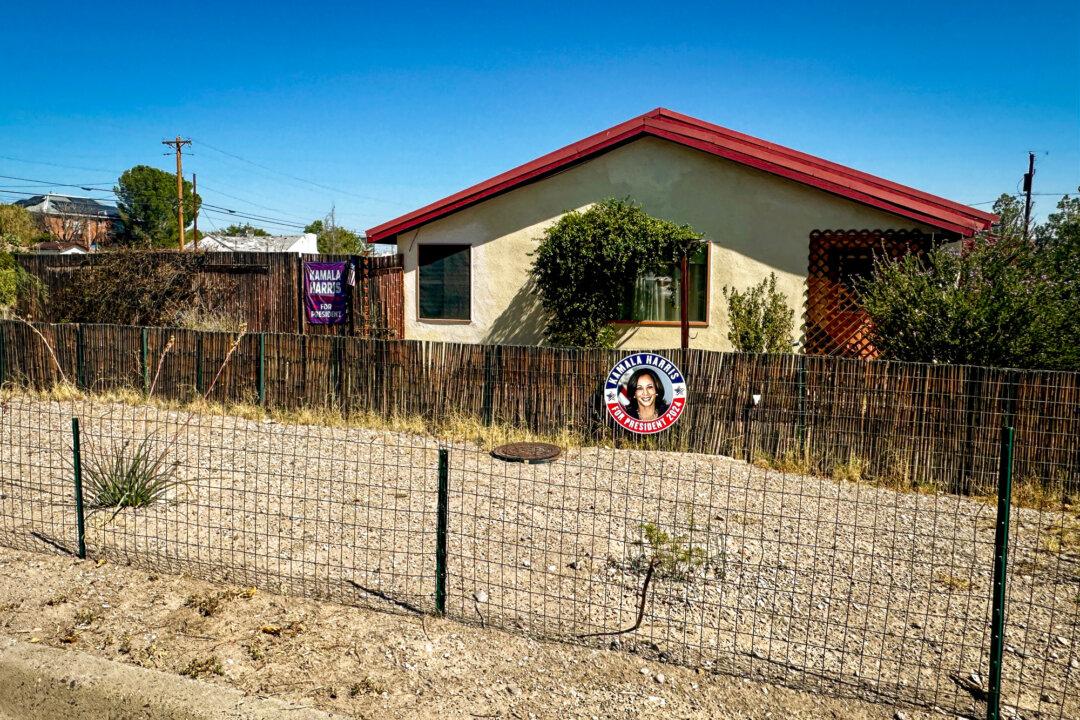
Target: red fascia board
{"type": "Point", "coordinates": [820, 183]}
{"type": "Point", "coordinates": [815, 167]}
{"type": "Point", "coordinates": [716, 140]}
{"type": "Point", "coordinates": [896, 201]}
{"type": "Point", "coordinates": [498, 184]}
{"type": "Point", "coordinates": [821, 162]}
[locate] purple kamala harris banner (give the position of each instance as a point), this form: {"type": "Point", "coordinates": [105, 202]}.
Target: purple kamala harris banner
{"type": "Point", "coordinates": [324, 292]}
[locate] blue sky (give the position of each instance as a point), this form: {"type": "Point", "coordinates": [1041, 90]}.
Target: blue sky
{"type": "Point", "coordinates": [390, 107]}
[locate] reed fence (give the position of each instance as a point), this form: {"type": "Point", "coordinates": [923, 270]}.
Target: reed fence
{"type": "Point", "coordinates": [264, 290]}
{"type": "Point", "coordinates": [902, 423]}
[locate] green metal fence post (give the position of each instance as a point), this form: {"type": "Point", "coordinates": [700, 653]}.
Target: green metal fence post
{"type": "Point", "coordinates": [442, 530]}
{"type": "Point", "coordinates": [1001, 552]}
{"type": "Point", "coordinates": [144, 362]}
{"type": "Point", "coordinates": [262, 369]}
{"type": "Point", "coordinates": [80, 520]}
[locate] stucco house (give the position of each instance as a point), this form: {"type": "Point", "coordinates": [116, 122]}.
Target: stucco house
{"type": "Point", "coordinates": [762, 207]}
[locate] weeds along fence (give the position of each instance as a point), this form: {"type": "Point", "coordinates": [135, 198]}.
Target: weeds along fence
{"type": "Point", "coordinates": [263, 290]}
{"type": "Point", "coordinates": [902, 424]}
{"type": "Point", "coordinates": [816, 583]}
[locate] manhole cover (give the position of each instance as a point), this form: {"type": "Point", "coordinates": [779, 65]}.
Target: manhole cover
{"type": "Point", "coordinates": [527, 452]}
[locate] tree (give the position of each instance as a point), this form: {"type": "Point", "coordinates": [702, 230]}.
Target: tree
{"type": "Point", "coordinates": [584, 254]}
{"type": "Point", "coordinates": [760, 319]}
{"type": "Point", "coordinates": [335, 240]}
{"type": "Point", "coordinates": [996, 301]}
{"type": "Point", "coordinates": [18, 228]}
{"type": "Point", "coordinates": [244, 230]}
{"type": "Point", "coordinates": [146, 198]}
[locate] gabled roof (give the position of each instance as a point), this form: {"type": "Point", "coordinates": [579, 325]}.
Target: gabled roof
{"type": "Point", "coordinates": [737, 147]}
{"type": "Point", "coordinates": [51, 204]}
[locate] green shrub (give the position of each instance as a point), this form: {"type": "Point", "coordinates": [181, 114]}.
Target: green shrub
{"type": "Point", "coordinates": [671, 555]}
{"type": "Point", "coordinates": [759, 319]}
{"type": "Point", "coordinates": [9, 287]}
{"type": "Point", "coordinates": [999, 300]}
{"type": "Point", "coordinates": [586, 259]}
{"type": "Point", "coordinates": [127, 475]}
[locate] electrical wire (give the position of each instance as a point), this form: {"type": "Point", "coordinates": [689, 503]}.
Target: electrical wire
{"type": "Point", "coordinates": [295, 177]}
{"type": "Point", "coordinates": [57, 165]}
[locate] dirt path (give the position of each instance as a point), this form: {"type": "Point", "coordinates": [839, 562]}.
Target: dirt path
{"type": "Point", "coordinates": [362, 663]}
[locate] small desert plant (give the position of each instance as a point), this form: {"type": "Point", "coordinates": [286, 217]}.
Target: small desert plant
{"type": "Point", "coordinates": [206, 605]}
{"type": "Point", "coordinates": [203, 668]}
{"type": "Point", "coordinates": [128, 475]}
{"type": "Point", "coordinates": [671, 555]}
{"type": "Point", "coordinates": [759, 318]}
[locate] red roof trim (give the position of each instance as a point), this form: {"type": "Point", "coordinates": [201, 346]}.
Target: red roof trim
{"type": "Point", "coordinates": [737, 147]}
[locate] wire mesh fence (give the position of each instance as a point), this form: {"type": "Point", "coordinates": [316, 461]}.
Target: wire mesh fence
{"type": "Point", "coordinates": [871, 584]}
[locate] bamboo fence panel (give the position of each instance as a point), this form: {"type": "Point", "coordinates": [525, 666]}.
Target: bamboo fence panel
{"type": "Point", "coordinates": [907, 422]}
{"type": "Point", "coordinates": [263, 290]}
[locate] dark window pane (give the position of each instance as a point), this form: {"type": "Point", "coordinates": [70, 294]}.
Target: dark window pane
{"type": "Point", "coordinates": [445, 282]}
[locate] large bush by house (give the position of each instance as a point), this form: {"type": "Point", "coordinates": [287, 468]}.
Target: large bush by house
{"type": "Point", "coordinates": [997, 300]}
{"type": "Point", "coordinates": [586, 260]}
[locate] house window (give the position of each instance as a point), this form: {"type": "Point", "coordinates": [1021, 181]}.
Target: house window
{"type": "Point", "coordinates": [850, 266]}
{"type": "Point", "coordinates": [657, 295]}
{"type": "Point", "coordinates": [445, 282]}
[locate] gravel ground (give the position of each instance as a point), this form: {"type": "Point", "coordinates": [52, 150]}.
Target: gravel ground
{"type": "Point", "coordinates": [809, 582]}
{"type": "Point", "coordinates": [357, 663]}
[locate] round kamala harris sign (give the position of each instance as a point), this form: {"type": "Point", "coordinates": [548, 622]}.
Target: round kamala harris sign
{"type": "Point", "coordinates": [645, 393]}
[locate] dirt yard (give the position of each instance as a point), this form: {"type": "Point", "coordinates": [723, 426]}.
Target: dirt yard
{"type": "Point", "coordinates": [358, 662]}
{"type": "Point", "coordinates": [809, 582]}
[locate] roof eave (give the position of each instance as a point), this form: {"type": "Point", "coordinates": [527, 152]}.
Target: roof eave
{"type": "Point", "coordinates": [682, 129]}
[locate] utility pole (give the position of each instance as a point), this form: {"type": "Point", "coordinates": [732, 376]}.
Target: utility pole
{"type": "Point", "coordinates": [1028, 177]}
{"type": "Point", "coordinates": [179, 144]}
{"type": "Point", "coordinates": [195, 220]}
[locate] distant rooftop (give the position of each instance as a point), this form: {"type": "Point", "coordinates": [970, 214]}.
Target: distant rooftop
{"type": "Point", "coordinates": [306, 243]}
{"type": "Point", "coordinates": [51, 204]}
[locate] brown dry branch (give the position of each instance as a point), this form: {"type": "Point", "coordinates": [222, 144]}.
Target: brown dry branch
{"type": "Point", "coordinates": [160, 363]}
{"type": "Point", "coordinates": [644, 598]}
{"type": "Point", "coordinates": [48, 346]}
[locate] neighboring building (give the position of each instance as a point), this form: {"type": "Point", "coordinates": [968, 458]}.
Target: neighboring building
{"type": "Point", "coordinates": [300, 244]}
{"type": "Point", "coordinates": [762, 207]}
{"type": "Point", "coordinates": [58, 248]}
{"type": "Point", "coordinates": [74, 220]}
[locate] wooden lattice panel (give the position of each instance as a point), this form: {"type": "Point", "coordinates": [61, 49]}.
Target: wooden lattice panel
{"type": "Point", "coordinates": [835, 323]}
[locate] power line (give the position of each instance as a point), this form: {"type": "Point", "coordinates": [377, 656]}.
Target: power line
{"type": "Point", "coordinates": [81, 186]}
{"type": "Point", "coordinates": [265, 221]}
{"type": "Point", "coordinates": [36, 194]}
{"type": "Point", "coordinates": [249, 202]}
{"type": "Point", "coordinates": [58, 165]}
{"type": "Point", "coordinates": [297, 178]}
{"type": "Point", "coordinates": [990, 202]}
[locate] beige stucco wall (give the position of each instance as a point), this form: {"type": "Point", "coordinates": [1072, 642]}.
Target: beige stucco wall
{"type": "Point", "coordinates": [756, 223]}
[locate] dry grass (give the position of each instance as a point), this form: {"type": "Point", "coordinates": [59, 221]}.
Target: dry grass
{"type": "Point", "coordinates": [1062, 537]}
{"type": "Point", "coordinates": [209, 604]}
{"type": "Point", "coordinates": [204, 667]}
{"type": "Point", "coordinates": [456, 428]}
{"type": "Point", "coordinates": [198, 318]}
{"type": "Point", "coordinates": [953, 582]}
